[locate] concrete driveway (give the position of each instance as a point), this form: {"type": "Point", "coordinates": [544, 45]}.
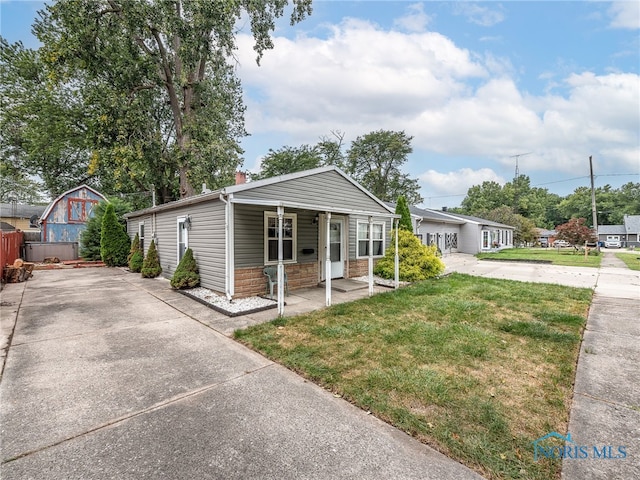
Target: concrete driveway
{"type": "Point", "coordinates": [112, 376]}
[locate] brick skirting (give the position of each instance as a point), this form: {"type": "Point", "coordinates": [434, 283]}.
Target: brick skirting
{"type": "Point", "coordinates": [251, 281]}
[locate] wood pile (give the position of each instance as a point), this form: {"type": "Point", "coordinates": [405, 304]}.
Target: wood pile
{"type": "Point", "coordinates": [18, 272]}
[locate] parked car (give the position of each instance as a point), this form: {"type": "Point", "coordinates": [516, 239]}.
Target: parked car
{"type": "Point", "coordinates": [561, 243]}
{"type": "Point", "coordinates": [612, 244]}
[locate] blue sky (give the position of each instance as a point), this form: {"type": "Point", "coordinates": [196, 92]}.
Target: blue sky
{"type": "Point", "coordinates": [474, 83]}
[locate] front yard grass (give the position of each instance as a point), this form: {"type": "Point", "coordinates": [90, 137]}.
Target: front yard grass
{"type": "Point", "coordinates": [631, 259]}
{"type": "Point", "coordinates": [563, 256]}
{"type": "Point", "coordinates": [477, 368]}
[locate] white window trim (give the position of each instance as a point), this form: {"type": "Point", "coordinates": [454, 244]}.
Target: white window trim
{"type": "Point", "coordinates": [141, 234]}
{"type": "Point", "coordinates": [180, 220]}
{"type": "Point", "coordinates": [294, 246]}
{"type": "Point", "coordinates": [358, 239]}
{"type": "Point", "coordinates": [486, 234]}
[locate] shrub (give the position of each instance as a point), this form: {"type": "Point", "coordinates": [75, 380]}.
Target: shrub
{"type": "Point", "coordinates": [91, 235]}
{"type": "Point", "coordinates": [114, 241]}
{"type": "Point", "coordinates": [186, 274]}
{"type": "Point", "coordinates": [402, 209]}
{"type": "Point", "coordinates": [151, 266]}
{"type": "Point", "coordinates": [135, 247]}
{"type": "Point", "coordinates": [136, 261]}
{"type": "Point", "coordinates": [417, 261]}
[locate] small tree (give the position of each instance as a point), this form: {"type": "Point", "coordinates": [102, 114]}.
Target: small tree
{"type": "Point", "coordinates": [575, 231]}
{"type": "Point", "coordinates": [186, 274]}
{"type": "Point", "coordinates": [417, 261]}
{"type": "Point", "coordinates": [402, 209]}
{"type": "Point", "coordinates": [151, 266]}
{"type": "Point", "coordinates": [136, 256]}
{"type": "Point", "coordinates": [91, 235]}
{"type": "Point", "coordinates": [114, 241]}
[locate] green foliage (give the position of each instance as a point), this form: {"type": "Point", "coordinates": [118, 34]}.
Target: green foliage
{"type": "Point", "coordinates": [135, 261]}
{"type": "Point", "coordinates": [417, 261]}
{"type": "Point", "coordinates": [375, 160]}
{"type": "Point", "coordinates": [16, 185]}
{"type": "Point", "coordinates": [402, 209]}
{"type": "Point", "coordinates": [114, 241]}
{"type": "Point", "coordinates": [186, 274]}
{"type": "Point", "coordinates": [135, 246]}
{"type": "Point", "coordinates": [525, 230]}
{"type": "Point", "coordinates": [151, 266]}
{"type": "Point", "coordinates": [90, 238]}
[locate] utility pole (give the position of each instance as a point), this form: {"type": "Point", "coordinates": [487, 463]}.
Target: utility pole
{"type": "Point", "coordinates": [515, 181]}
{"type": "Point", "coordinates": [594, 212]}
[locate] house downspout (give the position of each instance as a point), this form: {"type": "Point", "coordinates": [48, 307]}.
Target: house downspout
{"type": "Point", "coordinates": [396, 261]}
{"type": "Point", "coordinates": [227, 276]}
{"type": "Point", "coordinates": [370, 257]}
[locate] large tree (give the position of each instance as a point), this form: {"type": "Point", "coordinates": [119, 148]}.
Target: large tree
{"type": "Point", "coordinates": [159, 94]}
{"type": "Point", "coordinates": [375, 160]}
{"type": "Point", "coordinates": [288, 160]}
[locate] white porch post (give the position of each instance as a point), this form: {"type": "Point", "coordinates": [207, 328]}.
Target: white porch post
{"type": "Point", "coordinates": [370, 259]}
{"type": "Point", "coordinates": [327, 268]}
{"type": "Point", "coordinates": [280, 262]}
{"type": "Point", "coordinates": [396, 261]}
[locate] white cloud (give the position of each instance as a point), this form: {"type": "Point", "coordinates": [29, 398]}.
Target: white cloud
{"type": "Point", "coordinates": [625, 14]}
{"type": "Point", "coordinates": [459, 181]}
{"type": "Point", "coordinates": [416, 20]}
{"type": "Point", "coordinates": [480, 15]}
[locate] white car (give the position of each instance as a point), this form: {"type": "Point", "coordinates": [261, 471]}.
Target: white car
{"type": "Point", "coordinates": [561, 243]}
{"type": "Point", "coordinates": [612, 244]}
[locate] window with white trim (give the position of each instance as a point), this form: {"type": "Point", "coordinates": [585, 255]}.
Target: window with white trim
{"type": "Point", "coordinates": [486, 235]}
{"type": "Point", "coordinates": [141, 236]}
{"type": "Point", "coordinates": [289, 236]}
{"type": "Point", "coordinates": [363, 239]}
{"type": "Point", "coordinates": [183, 237]}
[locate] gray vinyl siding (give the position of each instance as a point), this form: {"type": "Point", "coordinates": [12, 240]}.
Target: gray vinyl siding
{"type": "Point", "coordinates": [469, 239]}
{"type": "Point", "coordinates": [206, 239]}
{"type": "Point", "coordinates": [133, 226]}
{"type": "Point", "coordinates": [249, 235]}
{"type": "Point", "coordinates": [327, 189]}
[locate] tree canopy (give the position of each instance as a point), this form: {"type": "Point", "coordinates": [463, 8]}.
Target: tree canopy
{"type": "Point", "coordinates": [133, 95]}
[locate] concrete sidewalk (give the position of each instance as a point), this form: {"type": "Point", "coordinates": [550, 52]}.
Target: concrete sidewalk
{"type": "Point", "coordinates": [113, 376]}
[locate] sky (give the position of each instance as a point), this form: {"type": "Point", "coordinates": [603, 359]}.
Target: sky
{"type": "Point", "coordinates": [482, 87]}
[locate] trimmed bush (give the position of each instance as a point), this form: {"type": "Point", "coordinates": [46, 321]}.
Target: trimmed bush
{"type": "Point", "coordinates": [417, 261]}
{"type": "Point", "coordinates": [151, 266]}
{"type": "Point", "coordinates": [91, 236]}
{"type": "Point", "coordinates": [136, 261]}
{"type": "Point", "coordinates": [114, 241]}
{"type": "Point", "coordinates": [135, 247]}
{"type": "Point", "coordinates": [186, 274]}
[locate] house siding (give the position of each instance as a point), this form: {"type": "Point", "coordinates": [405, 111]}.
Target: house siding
{"type": "Point", "coordinates": [353, 232]}
{"type": "Point", "coordinates": [206, 238]}
{"type": "Point", "coordinates": [327, 189]}
{"type": "Point", "coordinates": [249, 235]}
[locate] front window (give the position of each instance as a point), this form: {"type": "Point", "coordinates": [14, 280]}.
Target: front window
{"type": "Point", "coordinates": [141, 236]}
{"type": "Point", "coordinates": [363, 239]}
{"type": "Point", "coordinates": [79, 210]}
{"type": "Point", "coordinates": [289, 226]}
{"type": "Point", "coordinates": [486, 239]}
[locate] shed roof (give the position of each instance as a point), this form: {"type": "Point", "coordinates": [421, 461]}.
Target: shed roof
{"type": "Point", "coordinates": [62, 195]}
{"type": "Point", "coordinates": [20, 210]}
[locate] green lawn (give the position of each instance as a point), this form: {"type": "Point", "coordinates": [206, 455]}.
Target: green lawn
{"type": "Point", "coordinates": [563, 256]}
{"type": "Point", "coordinates": [632, 259]}
{"type": "Point", "coordinates": [477, 368]}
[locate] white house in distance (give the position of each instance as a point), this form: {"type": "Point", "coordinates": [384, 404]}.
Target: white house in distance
{"type": "Point", "coordinates": [453, 232]}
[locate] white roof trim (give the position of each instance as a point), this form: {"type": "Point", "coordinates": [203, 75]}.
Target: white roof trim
{"type": "Point", "coordinates": [59, 197]}
{"type": "Point", "coordinates": [309, 206]}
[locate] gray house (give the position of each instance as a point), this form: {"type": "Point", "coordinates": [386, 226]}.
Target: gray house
{"type": "Point", "coordinates": [315, 225]}
{"type": "Point", "coordinates": [453, 232]}
{"type": "Point", "coordinates": [627, 234]}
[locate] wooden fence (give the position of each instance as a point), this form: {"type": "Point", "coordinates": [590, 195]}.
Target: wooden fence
{"type": "Point", "coordinates": [10, 248]}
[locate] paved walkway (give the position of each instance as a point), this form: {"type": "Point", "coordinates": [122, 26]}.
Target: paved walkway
{"type": "Point", "coordinates": [113, 376]}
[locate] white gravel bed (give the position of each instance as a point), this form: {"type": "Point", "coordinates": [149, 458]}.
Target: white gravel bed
{"type": "Point", "coordinates": [380, 281]}
{"type": "Point", "coordinates": [236, 306]}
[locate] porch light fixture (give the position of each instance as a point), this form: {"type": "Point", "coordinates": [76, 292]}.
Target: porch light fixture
{"type": "Point", "coordinates": [315, 220]}
{"type": "Point", "coordinates": [187, 222]}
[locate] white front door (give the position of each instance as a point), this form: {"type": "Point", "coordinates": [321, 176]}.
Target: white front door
{"type": "Point", "coordinates": [336, 234]}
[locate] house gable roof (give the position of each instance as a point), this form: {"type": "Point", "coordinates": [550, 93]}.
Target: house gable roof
{"type": "Point", "coordinates": [62, 195]}
{"type": "Point", "coordinates": [611, 230]}
{"type": "Point", "coordinates": [457, 218]}
{"type": "Point", "coordinates": [269, 192]}
{"type": "Point", "coordinates": [20, 210]}
{"type": "Point", "coordinates": [632, 224]}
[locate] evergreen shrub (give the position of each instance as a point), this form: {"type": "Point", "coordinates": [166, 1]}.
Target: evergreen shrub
{"type": "Point", "coordinates": [417, 261]}
{"type": "Point", "coordinates": [151, 266]}
{"type": "Point", "coordinates": [186, 274]}
{"type": "Point", "coordinates": [114, 241]}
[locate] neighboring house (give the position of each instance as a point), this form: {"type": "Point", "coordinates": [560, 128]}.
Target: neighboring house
{"type": "Point", "coordinates": [546, 237]}
{"type": "Point", "coordinates": [453, 232]}
{"type": "Point", "coordinates": [20, 216]}
{"type": "Point", "coordinates": [234, 232]}
{"type": "Point", "coordinates": [65, 218]}
{"type": "Point", "coordinates": [628, 234]}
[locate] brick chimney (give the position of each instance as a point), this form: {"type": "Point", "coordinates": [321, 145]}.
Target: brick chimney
{"type": "Point", "coordinates": [241, 177]}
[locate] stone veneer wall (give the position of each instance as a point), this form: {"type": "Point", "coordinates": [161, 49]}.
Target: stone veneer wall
{"type": "Point", "coordinates": [251, 281]}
